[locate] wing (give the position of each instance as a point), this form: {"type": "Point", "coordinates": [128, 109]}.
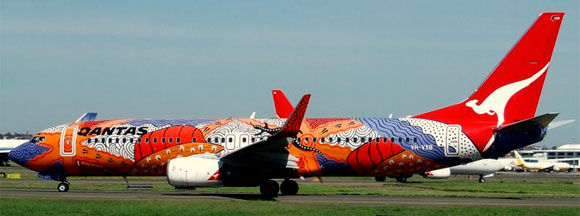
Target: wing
{"type": "Point", "coordinates": [271, 154]}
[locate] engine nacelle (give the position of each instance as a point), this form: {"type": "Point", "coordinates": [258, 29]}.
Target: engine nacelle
{"type": "Point", "coordinates": [438, 174]}
{"type": "Point", "coordinates": [191, 172]}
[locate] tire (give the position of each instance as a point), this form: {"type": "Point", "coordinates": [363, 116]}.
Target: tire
{"type": "Point", "coordinates": [269, 189]}
{"type": "Point", "coordinates": [401, 179]}
{"type": "Point", "coordinates": [481, 180]}
{"type": "Point", "coordinates": [289, 187]}
{"type": "Point", "coordinates": [63, 187]}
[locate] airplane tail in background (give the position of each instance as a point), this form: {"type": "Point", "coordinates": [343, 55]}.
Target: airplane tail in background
{"type": "Point", "coordinates": [519, 161]}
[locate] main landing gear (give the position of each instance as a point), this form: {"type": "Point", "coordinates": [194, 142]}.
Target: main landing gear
{"type": "Point", "coordinates": [289, 187]}
{"type": "Point", "coordinates": [63, 186]}
{"type": "Point", "coordinates": [269, 188]}
{"type": "Point", "coordinates": [380, 178]}
{"type": "Point", "coordinates": [402, 179]}
{"type": "Point", "coordinates": [481, 179]}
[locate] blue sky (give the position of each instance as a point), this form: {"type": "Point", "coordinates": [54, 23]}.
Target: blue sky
{"type": "Point", "coordinates": [187, 59]}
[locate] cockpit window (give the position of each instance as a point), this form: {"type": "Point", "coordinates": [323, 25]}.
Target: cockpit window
{"type": "Point", "coordinates": [37, 139]}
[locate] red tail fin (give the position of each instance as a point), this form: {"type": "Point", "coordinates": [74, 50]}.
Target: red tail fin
{"type": "Point", "coordinates": [512, 91]}
{"type": "Point", "coordinates": [281, 103]}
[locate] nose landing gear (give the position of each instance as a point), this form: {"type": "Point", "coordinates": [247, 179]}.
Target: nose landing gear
{"type": "Point", "coordinates": [63, 186]}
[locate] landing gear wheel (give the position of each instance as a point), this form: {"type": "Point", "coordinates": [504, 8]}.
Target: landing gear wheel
{"type": "Point", "coordinates": [481, 179]}
{"type": "Point", "coordinates": [63, 187]}
{"type": "Point", "coordinates": [380, 178]}
{"type": "Point", "coordinates": [401, 179]}
{"type": "Point", "coordinates": [289, 187]}
{"type": "Point", "coordinates": [269, 189]}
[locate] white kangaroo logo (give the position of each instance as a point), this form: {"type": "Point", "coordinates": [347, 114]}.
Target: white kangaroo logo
{"type": "Point", "coordinates": [496, 102]}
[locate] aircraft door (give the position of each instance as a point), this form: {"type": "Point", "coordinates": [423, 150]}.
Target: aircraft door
{"type": "Point", "coordinates": [452, 140]}
{"type": "Point", "coordinates": [68, 139]}
{"type": "Point", "coordinates": [230, 144]}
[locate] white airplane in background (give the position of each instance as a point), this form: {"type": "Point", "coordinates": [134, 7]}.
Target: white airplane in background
{"type": "Point", "coordinates": [484, 168]}
{"type": "Point", "coordinates": [538, 164]}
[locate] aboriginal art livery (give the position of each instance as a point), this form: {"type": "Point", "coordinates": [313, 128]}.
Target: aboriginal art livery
{"type": "Point", "coordinates": [497, 118]}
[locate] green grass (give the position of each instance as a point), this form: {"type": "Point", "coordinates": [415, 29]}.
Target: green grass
{"type": "Point", "coordinates": [14, 206]}
{"type": "Point", "coordinates": [541, 185]}
{"type": "Point", "coordinates": [417, 186]}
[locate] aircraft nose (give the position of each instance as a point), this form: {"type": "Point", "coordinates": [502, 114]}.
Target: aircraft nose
{"type": "Point", "coordinates": [25, 152]}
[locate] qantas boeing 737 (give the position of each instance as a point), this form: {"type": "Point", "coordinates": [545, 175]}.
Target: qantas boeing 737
{"type": "Point", "coordinates": [497, 118]}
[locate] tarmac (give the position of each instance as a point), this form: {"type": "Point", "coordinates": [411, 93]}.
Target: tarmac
{"type": "Point", "coordinates": [310, 199]}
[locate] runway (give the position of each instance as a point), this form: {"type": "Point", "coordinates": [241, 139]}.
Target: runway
{"type": "Point", "coordinates": [310, 199]}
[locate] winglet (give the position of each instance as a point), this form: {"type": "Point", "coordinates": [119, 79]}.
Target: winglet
{"type": "Point", "coordinates": [90, 116]}
{"type": "Point", "coordinates": [283, 106]}
{"type": "Point", "coordinates": [292, 126]}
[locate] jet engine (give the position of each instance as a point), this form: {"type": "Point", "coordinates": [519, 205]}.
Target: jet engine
{"type": "Point", "coordinates": [438, 174]}
{"type": "Point", "coordinates": [191, 172]}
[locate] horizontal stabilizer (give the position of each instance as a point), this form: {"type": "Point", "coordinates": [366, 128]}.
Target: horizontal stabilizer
{"type": "Point", "coordinates": [519, 134]}
{"type": "Point", "coordinates": [538, 121]}
{"type": "Point", "coordinates": [556, 124]}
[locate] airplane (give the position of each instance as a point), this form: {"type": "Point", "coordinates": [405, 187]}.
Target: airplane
{"type": "Point", "coordinates": [6, 145]}
{"type": "Point", "coordinates": [536, 164]}
{"type": "Point", "coordinates": [497, 118]}
{"type": "Point", "coordinates": [484, 168]}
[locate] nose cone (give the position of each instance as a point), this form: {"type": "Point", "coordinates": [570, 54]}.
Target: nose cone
{"type": "Point", "coordinates": [25, 152]}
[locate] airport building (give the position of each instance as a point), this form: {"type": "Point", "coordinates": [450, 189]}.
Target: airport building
{"type": "Point", "coordinates": [569, 153]}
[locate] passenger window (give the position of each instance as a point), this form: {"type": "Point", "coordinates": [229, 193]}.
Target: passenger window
{"type": "Point", "coordinates": [314, 139]}
{"type": "Point", "coordinates": [253, 139]}
{"type": "Point", "coordinates": [330, 139]}
{"type": "Point", "coordinates": [110, 140]}
{"type": "Point", "coordinates": [124, 140]}
{"type": "Point", "coordinates": [155, 140]}
{"type": "Point", "coordinates": [379, 139]}
{"type": "Point", "coordinates": [407, 139]}
{"type": "Point", "coordinates": [346, 139]}
{"type": "Point", "coordinates": [103, 140]}
{"type": "Point", "coordinates": [354, 139]}
{"type": "Point", "coordinates": [223, 140]}
{"type": "Point", "coordinates": [230, 139]}
{"type": "Point", "coordinates": [130, 140]}
{"type": "Point", "coordinates": [415, 139]}
{"type": "Point", "coordinates": [338, 139]}
{"type": "Point", "coordinates": [193, 139]}
{"type": "Point", "coordinates": [362, 140]}
{"type": "Point", "coordinates": [244, 139]}
{"type": "Point", "coordinates": [89, 140]}
{"type": "Point", "coordinates": [170, 140]}
{"type": "Point", "coordinates": [322, 140]}
{"type": "Point", "coordinates": [163, 140]}
{"type": "Point", "coordinates": [400, 140]}
{"type": "Point", "coordinates": [392, 139]}
{"type": "Point", "coordinates": [177, 140]}
{"type": "Point", "coordinates": [298, 140]}
{"type": "Point", "coordinates": [305, 139]}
